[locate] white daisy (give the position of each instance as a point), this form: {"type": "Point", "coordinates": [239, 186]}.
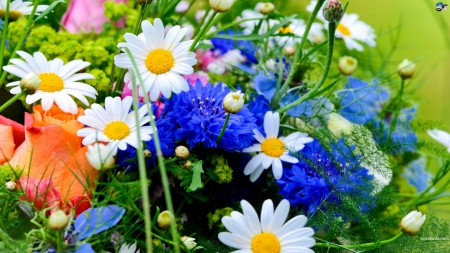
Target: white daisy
{"type": "Point", "coordinates": [441, 136]}
{"type": "Point", "coordinates": [58, 81]}
{"type": "Point", "coordinates": [18, 8]}
{"type": "Point", "coordinates": [114, 124]}
{"type": "Point", "coordinates": [250, 235]}
{"type": "Point", "coordinates": [161, 60]}
{"type": "Point", "coordinates": [297, 27]}
{"type": "Point", "coordinates": [350, 29]}
{"type": "Point", "coordinates": [273, 149]}
{"type": "Point", "coordinates": [250, 25]}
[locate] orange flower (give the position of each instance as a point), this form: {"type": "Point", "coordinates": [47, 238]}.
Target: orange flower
{"type": "Point", "coordinates": [53, 151]}
{"type": "Point", "coordinates": [11, 136]}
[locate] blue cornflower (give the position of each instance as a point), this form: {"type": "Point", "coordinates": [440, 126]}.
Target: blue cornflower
{"type": "Point", "coordinates": [321, 179]}
{"type": "Point", "coordinates": [198, 116]}
{"type": "Point", "coordinates": [246, 47]}
{"type": "Point", "coordinates": [416, 174]}
{"type": "Point", "coordinates": [361, 102]}
{"type": "Point", "coordinates": [403, 137]}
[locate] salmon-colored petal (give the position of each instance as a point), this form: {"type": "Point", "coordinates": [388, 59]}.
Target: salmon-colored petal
{"type": "Point", "coordinates": [18, 130]}
{"type": "Point", "coordinates": [6, 143]}
{"type": "Point", "coordinates": [40, 192]}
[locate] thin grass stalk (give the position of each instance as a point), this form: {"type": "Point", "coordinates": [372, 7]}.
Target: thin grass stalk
{"type": "Point", "coordinates": [4, 33]}
{"type": "Point", "coordinates": [21, 39]}
{"type": "Point", "coordinates": [161, 164]}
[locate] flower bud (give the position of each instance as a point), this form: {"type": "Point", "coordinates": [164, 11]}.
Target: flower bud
{"type": "Point", "coordinates": [266, 8]}
{"type": "Point", "coordinates": [347, 65]}
{"type": "Point", "coordinates": [147, 153]}
{"type": "Point", "coordinates": [221, 5]}
{"type": "Point", "coordinates": [233, 102]}
{"type": "Point", "coordinates": [406, 69]}
{"type": "Point", "coordinates": [165, 218]}
{"type": "Point", "coordinates": [412, 222]}
{"type": "Point", "coordinates": [10, 185]}
{"type": "Point", "coordinates": [30, 83]}
{"type": "Point", "coordinates": [189, 242]}
{"type": "Point", "coordinates": [339, 125]}
{"type": "Point", "coordinates": [182, 152]}
{"type": "Point", "coordinates": [100, 156]}
{"type": "Point", "coordinates": [333, 11]}
{"type": "Point", "coordinates": [289, 50]}
{"type": "Point", "coordinates": [187, 165]}
{"type": "Point", "coordinates": [58, 220]}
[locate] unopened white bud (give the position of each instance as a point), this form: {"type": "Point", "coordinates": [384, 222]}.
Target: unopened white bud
{"type": "Point", "coordinates": [339, 125]}
{"type": "Point", "coordinates": [347, 65]}
{"type": "Point", "coordinates": [412, 222]}
{"type": "Point", "coordinates": [100, 156]}
{"type": "Point", "coordinates": [221, 5]}
{"type": "Point", "coordinates": [58, 220]}
{"type": "Point", "coordinates": [30, 83]}
{"type": "Point", "coordinates": [182, 152]}
{"type": "Point", "coordinates": [189, 242]}
{"type": "Point", "coordinates": [165, 219]}
{"type": "Point", "coordinates": [289, 50]}
{"type": "Point", "coordinates": [10, 185]}
{"type": "Point", "coordinates": [406, 69]}
{"type": "Point", "coordinates": [266, 8]}
{"type": "Point", "coordinates": [233, 102]}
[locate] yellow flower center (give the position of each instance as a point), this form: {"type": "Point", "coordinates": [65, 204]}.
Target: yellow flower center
{"type": "Point", "coordinates": [117, 130]}
{"type": "Point", "coordinates": [13, 14]}
{"type": "Point", "coordinates": [273, 147]}
{"type": "Point", "coordinates": [344, 30]}
{"type": "Point", "coordinates": [266, 243]}
{"type": "Point", "coordinates": [350, 61]}
{"type": "Point", "coordinates": [236, 96]}
{"type": "Point", "coordinates": [286, 30]}
{"type": "Point", "coordinates": [50, 82]}
{"type": "Point", "coordinates": [159, 61]}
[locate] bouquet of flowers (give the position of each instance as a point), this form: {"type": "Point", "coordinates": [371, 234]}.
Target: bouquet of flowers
{"type": "Point", "coordinates": [210, 126]}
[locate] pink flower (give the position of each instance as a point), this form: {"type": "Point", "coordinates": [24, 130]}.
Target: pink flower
{"type": "Point", "coordinates": [205, 58]}
{"type": "Point", "coordinates": [87, 16]}
{"type": "Point", "coordinates": [41, 193]}
{"type": "Point", "coordinates": [127, 92]}
{"type": "Point", "coordinates": [202, 76]}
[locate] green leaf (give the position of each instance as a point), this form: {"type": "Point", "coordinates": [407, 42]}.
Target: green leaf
{"type": "Point", "coordinates": [197, 177]}
{"type": "Point", "coordinates": [204, 46]}
{"type": "Point", "coordinates": [49, 9]}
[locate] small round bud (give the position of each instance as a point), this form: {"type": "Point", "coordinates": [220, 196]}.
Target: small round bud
{"type": "Point", "coordinates": [406, 69]}
{"type": "Point", "coordinates": [233, 102]}
{"type": "Point", "coordinates": [58, 220]}
{"type": "Point", "coordinates": [339, 125]}
{"type": "Point", "coordinates": [266, 8]}
{"type": "Point", "coordinates": [10, 185]}
{"type": "Point", "coordinates": [147, 153]}
{"type": "Point", "coordinates": [347, 65]}
{"type": "Point", "coordinates": [412, 222]}
{"type": "Point", "coordinates": [182, 7]}
{"type": "Point", "coordinates": [289, 50]}
{"type": "Point", "coordinates": [100, 156]}
{"type": "Point", "coordinates": [189, 242]}
{"type": "Point", "coordinates": [333, 11]}
{"type": "Point", "coordinates": [182, 152]}
{"type": "Point", "coordinates": [165, 218]}
{"type": "Point", "coordinates": [30, 83]}
{"type": "Point", "coordinates": [187, 165]}
{"type": "Point", "coordinates": [221, 5]}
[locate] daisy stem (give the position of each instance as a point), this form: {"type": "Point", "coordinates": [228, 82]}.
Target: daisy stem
{"type": "Point", "coordinates": [223, 129]}
{"type": "Point", "coordinates": [371, 245]}
{"type": "Point", "coordinates": [311, 93]}
{"type": "Point", "coordinates": [296, 62]}
{"type": "Point", "coordinates": [59, 242]}
{"type": "Point", "coordinates": [141, 165]}
{"type": "Point", "coordinates": [397, 110]}
{"type": "Point", "coordinates": [4, 33]}
{"type": "Point", "coordinates": [21, 39]}
{"type": "Point", "coordinates": [203, 30]}
{"type": "Point", "coordinates": [12, 100]}
{"type": "Point", "coordinates": [161, 164]}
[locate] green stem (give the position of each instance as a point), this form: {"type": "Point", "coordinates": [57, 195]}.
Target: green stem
{"type": "Point", "coordinates": [4, 33]}
{"type": "Point", "coordinates": [141, 165]}
{"type": "Point", "coordinates": [358, 246]}
{"type": "Point", "coordinates": [232, 24]}
{"type": "Point", "coordinates": [296, 62]}
{"type": "Point", "coordinates": [311, 93]}
{"type": "Point", "coordinates": [202, 31]}
{"type": "Point", "coordinates": [12, 100]}
{"type": "Point", "coordinates": [21, 39]}
{"type": "Point", "coordinates": [223, 128]}
{"type": "Point", "coordinates": [163, 7]}
{"type": "Point", "coordinates": [59, 241]}
{"type": "Point", "coordinates": [397, 110]}
{"type": "Point", "coordinates": [161, 164]}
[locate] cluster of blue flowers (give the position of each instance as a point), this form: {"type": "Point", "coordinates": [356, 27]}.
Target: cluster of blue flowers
{"type": "Point", "coordinates": [321, 179]}
{"type": "Point", "coordinates": [246, 47]}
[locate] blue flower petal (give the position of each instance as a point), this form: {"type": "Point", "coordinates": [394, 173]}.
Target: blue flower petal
{"type": "Point", "coordinates": [85, 248]}
{"type": "Point", "coordinates": [265, 85]}
{"type": "Point", "coordinates": [96, 220]}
